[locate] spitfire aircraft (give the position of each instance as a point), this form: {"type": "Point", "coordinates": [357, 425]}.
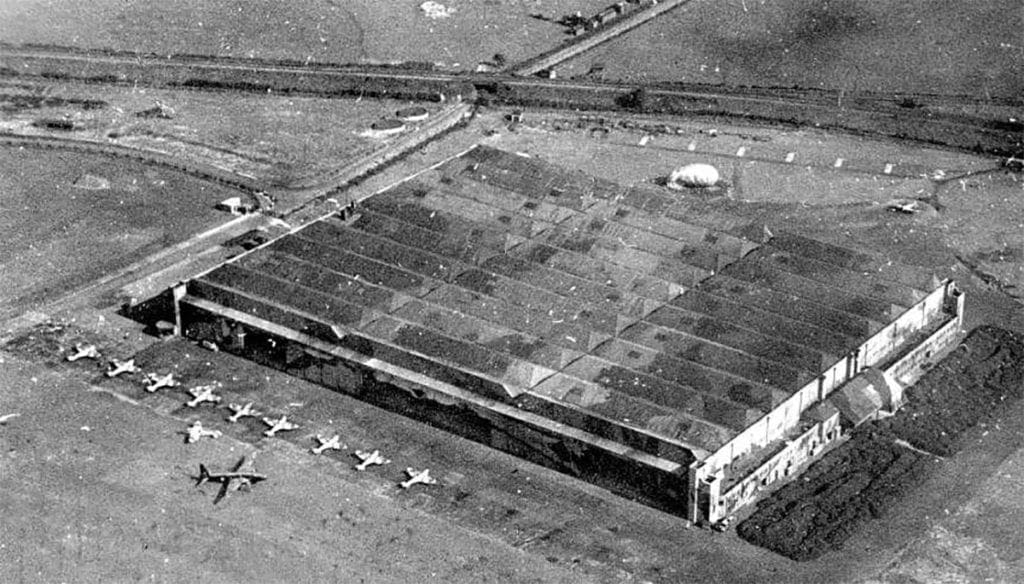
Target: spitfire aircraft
{"type": "Point", "coordinates": [196, 432]}
{"type": "Point", "coordinates": [119, 367]}
{"type": "Point", "coordinates": [417, 478]}
{"type": "Point", "coordinates": [241, 475]}
{"type": "Point", "coordinates": [332, 443]}
{"type": "Point", "coordinates": [84, 352]}
{"type": "Point", "coordinates": [369, 458]}
{"type": "Point", "coordinates": [279, 425]}
{"type": "Point", "coordinates": [201, 394]}
{"type": "Point", "coordinates": [154, 382]}
{"type": "Point", "coordinates": [239, 412]}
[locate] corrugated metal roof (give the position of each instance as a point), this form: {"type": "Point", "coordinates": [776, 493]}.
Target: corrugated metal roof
{"type": "Point", "coordinates": [596, 303]}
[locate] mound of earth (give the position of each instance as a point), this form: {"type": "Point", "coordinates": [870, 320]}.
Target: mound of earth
{"type": "Point", "coordinates": [853, 484]}
{"type": "Point", "coordinates": [158, 111]}
{"type": "Point", "coordinates": [885, 460]}
{"type": "Point", "coordinates": [968, 387]}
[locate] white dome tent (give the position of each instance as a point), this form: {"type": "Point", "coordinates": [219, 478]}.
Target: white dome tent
{"type": "Point", "coordinates": [694, 176]}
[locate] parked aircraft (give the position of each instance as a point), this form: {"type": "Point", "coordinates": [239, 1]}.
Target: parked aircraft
{"type": "Point", "coordinates": [417, 478]}
{"type": "Point", "coordinates": [240, 412]}
{"type": "Point", "coordinates": [238, 477]}
{"type": "Point", "coordinates": [196, 431]}
{"type": "Point", "coordinates": [84, 352]}
{"type": "Point", "coordinates": [279, 425]}
{"type": "Point", "coordinates": [905, 206]}
{"type": "Point", "coordinates": [119, 367]}
{"type": "Point", "coordinates": [369, 458]}
{"type": "Point", "coordinates": [332, 443]}
{"type": "Point", "coordinates": [155, 382]}
{"type": "Point", "coordinates": [201, 394]}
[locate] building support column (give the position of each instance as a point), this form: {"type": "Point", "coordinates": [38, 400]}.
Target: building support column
{"type": "Point", "coordinates": [177, 293]}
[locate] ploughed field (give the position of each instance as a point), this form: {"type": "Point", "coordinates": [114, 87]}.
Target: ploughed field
{"type": "Point", "coordinates": [965, 48]}
{"type": "Point", "coordinates": [884, 461]}
{"type": "Point", "coordinates": [459, 35]}
{"type": "Point", "coordinates": [281, 139]}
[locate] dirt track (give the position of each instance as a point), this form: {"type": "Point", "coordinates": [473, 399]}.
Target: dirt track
{"type": "Point", "coordinates": [885, 461]}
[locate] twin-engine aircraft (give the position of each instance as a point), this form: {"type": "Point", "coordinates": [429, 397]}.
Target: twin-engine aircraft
{"type": "Point", "coordinates": [239, 412]}
{"type": "Point", "coordinates": [197, 432]}
{"type": "Point", "coordinates": [202, 394]}
{"type": "Point", "coordinates": [421, 477]}
{"type": "Point", "coordinates": [240, 476]}
{"type": "Point", "coordinates": [84, 352]}
{"type": "Point", "coordinates": [279, 425]}
{"type": "Point", "coordinates": [369, 458]}
{"type": "Point", "coordinates": [156, 382]}
{"type": "Point", "coordinates": [332, 443]}
{"type": "Point", "coordinates": [119, 367]}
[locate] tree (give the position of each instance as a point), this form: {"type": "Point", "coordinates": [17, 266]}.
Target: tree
{"type": "Point", "coordinates": [636, 100]}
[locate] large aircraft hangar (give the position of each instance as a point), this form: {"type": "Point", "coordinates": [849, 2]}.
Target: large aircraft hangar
{"type": "Point", "coordinates": [684, 359]}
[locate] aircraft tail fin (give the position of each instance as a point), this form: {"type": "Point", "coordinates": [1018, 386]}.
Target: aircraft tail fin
{"type": "Point", "coordinates": [204, 475]}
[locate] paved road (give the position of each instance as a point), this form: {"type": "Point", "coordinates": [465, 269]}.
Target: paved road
{"type": "Point", "coordinates": [606, 32]}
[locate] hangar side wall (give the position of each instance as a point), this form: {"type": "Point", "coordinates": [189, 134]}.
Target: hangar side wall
{"type": "Point", "coordinates": [878, 351]}
{"type": "Point", "coordinates": [908, 368]}
{"type": "Point", "coordinates": [637, 475]}
{"type": "Point", "coordinates": [880, 347]}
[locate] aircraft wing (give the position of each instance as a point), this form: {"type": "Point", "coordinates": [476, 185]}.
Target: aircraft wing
{"type": "Point", "coordinates": [223, 492]}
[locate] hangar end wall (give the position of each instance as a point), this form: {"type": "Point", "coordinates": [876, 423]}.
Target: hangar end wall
{"type": "Point", "coordinates": [898, 349]}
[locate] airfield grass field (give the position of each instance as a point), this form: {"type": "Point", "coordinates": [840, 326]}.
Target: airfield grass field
{"type": "Point", "coordinates": [59, 236]}
{"type": "Point", "coordinates": [100, 489]}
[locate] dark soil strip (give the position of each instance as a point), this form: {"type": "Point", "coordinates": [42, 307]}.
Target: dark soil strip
{"type": "Point", "coordinates": [885, 460]}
